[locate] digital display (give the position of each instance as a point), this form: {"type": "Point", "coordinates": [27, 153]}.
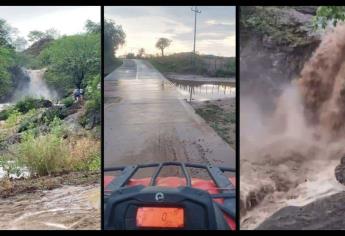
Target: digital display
{"type": "Point", "coordinates": [160, 217]}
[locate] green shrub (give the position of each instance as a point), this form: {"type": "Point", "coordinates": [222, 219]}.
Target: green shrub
{"type": "Point", "coordinates": [45, 154]}
{"type": "Point", "coordinates": [93, 94]}
{"type": "Point", "coordinates": [67, 101]}
{"type": "Point", "coordinates": [13, 118]}
{"type": "Point", "coordinates": [50, 114]}
{"type": "Point", "coordinates": [4, 114]}
{"type": "Point", "coordinates": [25, 104]}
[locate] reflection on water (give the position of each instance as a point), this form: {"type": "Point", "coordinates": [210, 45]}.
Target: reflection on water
{"type": "Point", "coordinates": [196, 90]}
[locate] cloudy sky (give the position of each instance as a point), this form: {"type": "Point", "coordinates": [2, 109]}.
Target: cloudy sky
{"type": "Point", "coordinates": [67, 20]}
{"type": "Point", "coordinates": [144, 25]}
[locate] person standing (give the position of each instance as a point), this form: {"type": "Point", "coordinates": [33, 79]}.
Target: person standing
{"type": "Point", "coordinates": [81, 94]}
{"type": "Point", "coordinates": [76, 94]}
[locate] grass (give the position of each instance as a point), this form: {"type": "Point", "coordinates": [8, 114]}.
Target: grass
{"type": "Point", "coordinates": [52, 153]}
{"type": "Point", "coordinates": [46, 147]}
{"type": "Point", "coordinates": [182, 63]}
{"type": "Point", "coordinates": [219, 120]}
{"type": "Point", "coordinates": [178, 63]}
{"type": "Point", "coordinates": [44, 154]}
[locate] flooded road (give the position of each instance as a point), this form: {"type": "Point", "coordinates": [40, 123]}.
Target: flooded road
{"type": "Point", "coordinates": [203, 91]}
{"type": "Point", "coordinates": [147, 120]}
{"type": "Point", "coordinates": [69, 207]}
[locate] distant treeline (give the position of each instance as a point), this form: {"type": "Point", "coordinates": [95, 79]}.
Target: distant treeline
{"type": "Point", "coordinates": [187, 63]}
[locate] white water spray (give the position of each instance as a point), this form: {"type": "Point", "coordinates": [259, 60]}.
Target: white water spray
{"type": "Point", "coordinates": [36, 87]}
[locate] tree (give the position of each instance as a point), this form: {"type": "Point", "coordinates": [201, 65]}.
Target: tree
{"type": "Point", "coordinates": [92, 27]}
{"type": "Point", "coordinates": [73, 57]}
{"type": "Point", "coordinates": [163, 43]}
{"type": "Point", "coordinates": [52, 33]}
{"type": "Point", "coordinates": [114, 37]}
{"type": "Point", "coordinates": [5, 34]}
{"type": "Point", "coordinates": [130, 55]}
{"type": "Point", "coordinates": [326, 14]}
{"type": "Point", "coordinates": [35, 35]}
{"type": "Point", "coordinates": [6, 61]}
{"type": "Point", "coordinates": [141, 52]}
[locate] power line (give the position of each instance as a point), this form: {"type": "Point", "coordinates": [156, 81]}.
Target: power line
{"type": "Point", "coordinates": [196, 11]}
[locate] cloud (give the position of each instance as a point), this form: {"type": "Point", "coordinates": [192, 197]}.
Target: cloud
{"type": "Point", "coordinates": [144, 25]}
{"type": "Point", "coordinates": [215, 22]}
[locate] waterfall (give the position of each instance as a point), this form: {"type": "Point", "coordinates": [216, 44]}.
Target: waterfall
{"type": "Point", "coordinates": [36, 87]}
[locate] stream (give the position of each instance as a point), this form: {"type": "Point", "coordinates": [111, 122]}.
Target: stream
{"type": "Point", "coordinates": [68, 207]}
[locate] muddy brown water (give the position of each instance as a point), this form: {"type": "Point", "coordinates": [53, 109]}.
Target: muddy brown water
{"type": "Point", "coordinates": [288, 157]}
{"type": "Point", "coordinates": [68, 207]}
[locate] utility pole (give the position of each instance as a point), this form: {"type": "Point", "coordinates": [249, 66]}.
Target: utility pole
{"type": "Point", "coordinates": [196, 11]}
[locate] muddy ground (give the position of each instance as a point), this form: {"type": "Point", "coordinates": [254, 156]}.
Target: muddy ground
{"type": "Point", "coordinates": [70, 201]}
{"type": "Point", "coordinates": [221, 116]}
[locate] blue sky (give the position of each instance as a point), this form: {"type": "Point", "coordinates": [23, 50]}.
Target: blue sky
{"type": "Point", "coordinates": [216, 28]}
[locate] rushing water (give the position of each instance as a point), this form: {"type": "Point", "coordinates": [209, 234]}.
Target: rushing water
{"type": "Point", "coordinates": [36, 86]}
{"type": "Point", "coordinates": [4, 105]}
{"type": "Point", "coordinates": [68, 207]}
{"type": "Point", "coordinates": [205, 90]}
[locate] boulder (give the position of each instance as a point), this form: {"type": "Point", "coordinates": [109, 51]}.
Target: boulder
{"type": "Point", "coordinates": [324, 214]}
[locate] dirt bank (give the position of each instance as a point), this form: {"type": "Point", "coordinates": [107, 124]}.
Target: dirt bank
{"type": "Point", "coordinates": [221, 116]}
{"type": "Point", "coordinates": [198, 78]}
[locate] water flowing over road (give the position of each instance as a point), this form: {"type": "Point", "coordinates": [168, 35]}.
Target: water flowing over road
{"type": "Point", "coordinates": [147, 120]}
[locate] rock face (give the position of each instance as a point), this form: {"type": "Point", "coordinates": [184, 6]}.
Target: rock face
{"type": "Point", "coordinates": [324, 214]}
{"type": "Point", "coordinates": [275, 42]}
{"type": "Point", "coordinates": [340, 171]}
